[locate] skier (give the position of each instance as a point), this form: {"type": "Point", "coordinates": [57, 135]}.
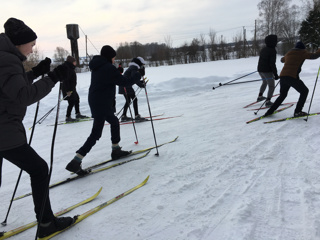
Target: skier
{"type": "Point", "coordinates": [120, 68]}
{"type": "Point", "coordinates": [267, 68]}
{"type": "Point", "coordinates": [104, 78]}
{"type": "Point", "coordinates": [69, 90]}
{"type": "Point", "coordinates": [136, 65]}
{"type": "Point", "coordinates": [17, 91]}
{"type": "Point", "coordinates": [289, 77]}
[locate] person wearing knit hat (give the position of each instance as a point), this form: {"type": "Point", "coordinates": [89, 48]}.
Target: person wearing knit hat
{"type": "Point", "coordinates": [69, 91]}
{"type": "Point", "coordinates": [19, 90]}
{"type": "Point", "coordinates": [136, 65]}
{"type": "Point", "coordinates": [289, 77]}
{"type": "Point", "coordinates": [300, 45]}
{"type": "Point", "coordinates": [108, 52]}
{"type": "Point", "coordinates": [102, 93]}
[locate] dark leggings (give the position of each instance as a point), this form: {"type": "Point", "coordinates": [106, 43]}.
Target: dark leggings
{"type": "Point", "coordinates": [285, 84]}
{"type": "Point", "coordinates": [73, 101]}
{"type": "Point", "coordinates": [128, 98]}
{"type": "Point", "coordinates": [96, 132]}
{"type": "Point", "coordinates": [28, 160]}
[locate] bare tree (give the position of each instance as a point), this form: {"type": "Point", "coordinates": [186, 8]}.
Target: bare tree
{"type": "Point", "coordinates": [202, 42]}
{"type": "Point", "coordinates": [169, 51]}
{"type": "Point", "coordinates": [290, 27]}
{"type": "Point", "coordinates": [212, 45]}
{"type": "Point", "coordinates": [60, 55]}
{"type": "Point", "coordinates": [193, 50]}
{"type": "Point", "coordinates": [271, 13]}
{"type": "Point", "coordinates": [33, 59]}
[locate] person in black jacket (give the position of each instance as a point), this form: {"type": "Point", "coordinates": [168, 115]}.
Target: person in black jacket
{"type": "Point", "coordinates": [267, 68]}
{"type": "Point", "coordinates": [120, 68]}
{"type": "Point", "coordinates": [136, 65]}
{"type": "Point", "coordinates": [18, 90]}
{"type": "Point", "coordinates": [102, 91]}
{"type": "Point", "coordinates": [69, 90]}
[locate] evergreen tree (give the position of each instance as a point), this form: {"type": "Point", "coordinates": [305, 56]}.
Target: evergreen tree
{"type": "Point", "coordinates": [310, 28]}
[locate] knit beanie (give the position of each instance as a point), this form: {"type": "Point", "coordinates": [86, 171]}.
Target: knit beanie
{"type": "Point", "coordinates": [18, 32]}
{"type": "Point", "coordinates": [108, 52]}
{"type": "Point", "coordinates": [300, 45]}
{"type": "Point", "coordinates": [70, 59]}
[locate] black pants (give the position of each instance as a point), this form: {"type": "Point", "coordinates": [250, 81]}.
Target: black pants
{"type": "Point", "coordinates": [285, 84]}
{"type": "Point", "coordinates": [128, 98]}
{"type": "Point", "coordinates": [73, 101]}
{"type": "Point", "coordinates": [96, 132]}
{"type": "Point", "coordinates": [28, 160]}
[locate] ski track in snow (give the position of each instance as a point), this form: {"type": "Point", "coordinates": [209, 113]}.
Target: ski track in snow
{"type": "Point", "coordinates": [222, 179]}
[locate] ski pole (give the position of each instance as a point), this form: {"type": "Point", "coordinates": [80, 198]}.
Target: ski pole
{"type": "Point", "coordinates": [264, 101]}
{"type": "Point", "coordinates": [137, 91]}
{"type": "Point", "coordinates": [134, 127]}
{"type": "Point", "coordinates": [314, 88]}
{"type": "Point", "coordinates": [154, 135]}
{"type": "Point", "coordinates": [46, 193]}
{"type": "Point", "coordinates": [48, 113]}
{"type": "Point", "coordinates": [4, 223]}
{"type": "Point", "coordinates": [220, 84]}
{"type": "Point", "coordinates": [255, 80]}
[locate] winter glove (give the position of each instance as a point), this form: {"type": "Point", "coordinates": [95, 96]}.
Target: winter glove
{"type": "Point", "coordinates": [142, 71]}
{"type": "Point", "coordinates": [142, 84]}
{"type": "Point", "coordinates": [58, 74]}
{"type": "Point", "coordinates": [276, 77]}
{"type": "Point", "coordinates": [42, 68]}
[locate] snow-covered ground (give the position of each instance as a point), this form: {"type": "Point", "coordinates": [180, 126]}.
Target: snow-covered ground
{"type": "Point", "coordinates": [222, 179]}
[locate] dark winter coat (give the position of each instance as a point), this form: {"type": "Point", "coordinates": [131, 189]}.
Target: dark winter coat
{"type": "Point", "coordinates": [293, 61]}
{"type": "Point", "coordinates": [17, 91]}
{"type": "Point", "coordinates": [70, 83]}
{"type": "Point", "coordinates": [129, 73]}
{"type": "Point", "coordinates": [268, 56]}
{"type": "Point", "coordinates": [102, 90]}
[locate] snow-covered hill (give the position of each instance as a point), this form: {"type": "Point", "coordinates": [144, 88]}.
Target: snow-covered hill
{"type": "Point", "coordinates": [222, 179]}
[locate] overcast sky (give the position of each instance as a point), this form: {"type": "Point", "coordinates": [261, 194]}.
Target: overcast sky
{"type": "Point", "coordinates": [112, 22]}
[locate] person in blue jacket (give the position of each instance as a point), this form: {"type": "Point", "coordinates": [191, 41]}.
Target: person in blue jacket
{"type": "Point", "coordinates": [102, 92]}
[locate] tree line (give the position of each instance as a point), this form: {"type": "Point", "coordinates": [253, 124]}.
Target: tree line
{"type": "Point", "coordinates": [275, 17]}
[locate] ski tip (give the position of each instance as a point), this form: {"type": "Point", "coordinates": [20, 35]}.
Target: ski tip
{"type": "Point", "coordinates": [98, 192]}
{"type": "Point", "coordinates": [146, 180]}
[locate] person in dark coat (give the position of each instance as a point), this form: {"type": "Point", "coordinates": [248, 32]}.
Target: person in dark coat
{"type": "Point", "coordinates": [120, 68]}
{"type": "Point", "coordinates": [69, 90]}
{"type": "Point", "coordinates": [102, 91]}
{"type": "Point", "coordinates": [267, 68]}
{"type": "Point", "coordinates": [136, 65]}
{"type": "Point", "coordinates": [289, 77]}
{"type": "Point", "coordinates": [18, 90]}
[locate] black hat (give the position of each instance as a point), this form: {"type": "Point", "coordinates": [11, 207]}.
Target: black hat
{"type": "Point", "coordinates": [108, 52]}
{"type": "Point", "coordinates": [71, 59]}
{"type": "Point", "coordinates": [300, 45]}
{"type": "Point", "coordinates": [18, 32]}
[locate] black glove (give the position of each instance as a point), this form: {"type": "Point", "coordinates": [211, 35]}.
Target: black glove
{"type": "Point", "coordinates": [276, 77]}
{"type": "Point", "coordinates": [142, 71]}
{"type": "Point", "coordinates": [143, 84]}
{"type": "Point", "coordinates": [58, 74]}
{"type": "Point", "coordinates": [42, 68]}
